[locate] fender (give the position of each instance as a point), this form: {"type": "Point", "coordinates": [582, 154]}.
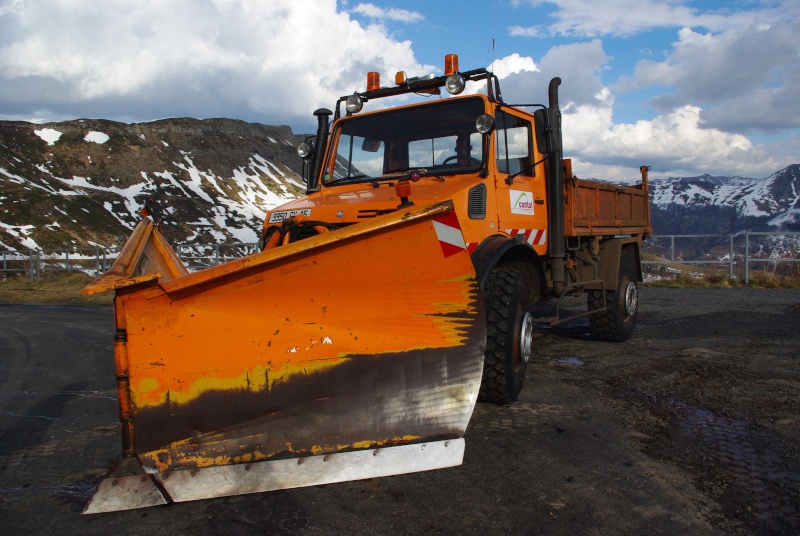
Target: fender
{"type": "Point", "coordinates": [497, 248]}
{"type": "Point", "coordinates": [610, 252]}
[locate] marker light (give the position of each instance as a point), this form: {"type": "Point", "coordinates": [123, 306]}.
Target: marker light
{"type": "Point", "coordinates": [400, 78]}
{"type": "Point", "coordinates": [454, 84]}
{"type": "Point", "coordinates": [373, 81]}
{"type": "Point", "coordinates": [484, 124]}
{"type": "Point", "coordinates": [353, 104]}
{"type": "Point", "coordinates": [402, 188]}
{"type": "Point", "coordinates": [450, 64]}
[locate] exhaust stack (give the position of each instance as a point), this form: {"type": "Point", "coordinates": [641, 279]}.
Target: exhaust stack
{"type": "Point", "coordinates": [556, 247]}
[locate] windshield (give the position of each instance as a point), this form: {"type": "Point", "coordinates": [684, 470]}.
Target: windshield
{"type": "Point", "coordinates": [440, 138]}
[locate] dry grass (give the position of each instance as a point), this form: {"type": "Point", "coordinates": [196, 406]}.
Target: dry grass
{"type": "Point", "coordinates": [758, 279]}
{"type": "Point", "coordinates": [53, 289]}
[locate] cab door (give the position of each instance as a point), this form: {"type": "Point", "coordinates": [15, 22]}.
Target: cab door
{"type": "Point", "coordinates": [521, 195]}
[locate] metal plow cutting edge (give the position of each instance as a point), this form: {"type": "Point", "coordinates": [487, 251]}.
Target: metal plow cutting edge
{"type": "Point", "coordinates": [353, 354]}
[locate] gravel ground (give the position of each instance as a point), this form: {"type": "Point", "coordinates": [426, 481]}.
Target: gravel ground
{"type": "Point", "coordinates": [691, 427]}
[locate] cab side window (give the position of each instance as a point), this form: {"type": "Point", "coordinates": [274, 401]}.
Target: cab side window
{"type": "Point", "coordinates": [513, 136]}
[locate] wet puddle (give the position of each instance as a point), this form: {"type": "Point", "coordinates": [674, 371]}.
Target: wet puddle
{"type": "Point", "coordinates": [569, 361]}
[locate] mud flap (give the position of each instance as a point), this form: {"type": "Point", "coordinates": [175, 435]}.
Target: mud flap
{"type": "Point", "coordinates": [357, 347]}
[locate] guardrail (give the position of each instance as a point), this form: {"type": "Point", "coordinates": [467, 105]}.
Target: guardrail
{"type": "Point", "coordinates": [672, 260]}
{"type": "Point", "coordinates": [96, 260]}
{"type": "Point", "coordinates": [199, 256]}
{"type": "Point", "coordinates": [737, 259]}
{"type": "Point", "coordinates": [92, 260]}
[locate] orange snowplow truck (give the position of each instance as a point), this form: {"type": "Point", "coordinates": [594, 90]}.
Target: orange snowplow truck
{"type": "Point", "coordinates": [381, 306]}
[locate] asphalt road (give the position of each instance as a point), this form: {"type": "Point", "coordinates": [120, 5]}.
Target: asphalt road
{"type": "Point", "coordinates": [691, 427]}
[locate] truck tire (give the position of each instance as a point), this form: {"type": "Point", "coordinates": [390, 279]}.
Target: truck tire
{"type": "Point", "coordinates": [509, 335]}
{"type": "Point", "coordinates": [616, 324]}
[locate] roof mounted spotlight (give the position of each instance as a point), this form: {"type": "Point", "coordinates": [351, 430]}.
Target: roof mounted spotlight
{"type": "Point", "coordinates": [354, 104]}
{"type": "Point", "coordinates": [304, 150]}
{"type": "Point", "coordinates": [455, 84]}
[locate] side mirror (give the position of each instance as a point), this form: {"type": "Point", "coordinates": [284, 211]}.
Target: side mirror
{"type": "Point", "coordinates": [371, 146]}
{"type": "Point", "coordinates": [548, 130]}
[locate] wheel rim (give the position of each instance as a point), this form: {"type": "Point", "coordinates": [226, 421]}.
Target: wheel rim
{"type": "Point", "coordinates": [526, 337]}
{"type": "Point", "coordinates": [631, 298]}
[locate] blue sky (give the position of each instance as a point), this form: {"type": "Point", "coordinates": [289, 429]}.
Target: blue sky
{"type": "Point", "coordinates": [688, 87]}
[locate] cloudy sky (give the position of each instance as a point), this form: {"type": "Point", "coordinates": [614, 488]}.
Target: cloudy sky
{"type": "Point", "coordinates": [687, 87]}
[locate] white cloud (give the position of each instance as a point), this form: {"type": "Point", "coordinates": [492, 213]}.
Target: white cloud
{"type": "Point", "coordinates": [746, 77]}
{"type": "Point", "coordinates": [125, 58]}
{"type": "Point", "coordinates": [513, 64]}
{"type": "Point", "coordinates": [578, 65]}
{"type": "Point", "coordinates": [676, 142]}
{"type": "Point", "coordinates": [395, 14]}
{"type": "Point", "coordinates": [628, 17]}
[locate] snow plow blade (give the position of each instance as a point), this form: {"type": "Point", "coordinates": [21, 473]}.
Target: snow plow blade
{"type": "Point", "coordinates": [352, 354]}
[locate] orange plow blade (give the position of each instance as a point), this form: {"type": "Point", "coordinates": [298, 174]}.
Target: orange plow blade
{"type": "Point", "coordinates": [353, 354]}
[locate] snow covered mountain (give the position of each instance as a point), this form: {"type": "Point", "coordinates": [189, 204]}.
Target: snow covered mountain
{"type": "Point", "coordinates": [81, 183]}
{"type": "Point", "coordinates": [726, 205]}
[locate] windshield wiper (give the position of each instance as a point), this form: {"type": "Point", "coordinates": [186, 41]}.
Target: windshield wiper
{"type": "Point", "coordinates": [351, 178]}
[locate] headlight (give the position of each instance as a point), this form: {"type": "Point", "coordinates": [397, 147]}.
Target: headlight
{"type": "Point", "coordinates": [304, 150]}
{"type": "Point", "coordinates": [484, 124]}
{"type": "Point", "coordinates": [353, 104]}
{"type": "Point", "coordinates": [454, 84]}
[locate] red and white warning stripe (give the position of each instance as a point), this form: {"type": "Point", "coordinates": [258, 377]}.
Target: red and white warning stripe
{"type": "Point", "coordinates": [448, 231]}
{"type": "Point", "coordinates": [534, 237]}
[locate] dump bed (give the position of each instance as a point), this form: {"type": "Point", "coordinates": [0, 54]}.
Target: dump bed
{"type": "Point", "coordinates": [594, 208]}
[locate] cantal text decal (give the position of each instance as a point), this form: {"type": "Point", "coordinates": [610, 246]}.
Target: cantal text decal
{"type": "Point", "coordinates": [521, 202]}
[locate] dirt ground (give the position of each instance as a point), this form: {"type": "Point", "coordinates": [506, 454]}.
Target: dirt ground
{"type": "Point", "coordinates": [691, 427]}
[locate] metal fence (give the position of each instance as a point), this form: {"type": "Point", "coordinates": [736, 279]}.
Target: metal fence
{"type": "Point", "coordinates": [96, 260]}
{"type": "Point", "coordinates": [735, 253]}
{"type": "Point", "coordinates": [199, 256]}
{"type": "Point", "coordinates": [34, 262]}
{"type": "Point", "coordinates": [741, 252]}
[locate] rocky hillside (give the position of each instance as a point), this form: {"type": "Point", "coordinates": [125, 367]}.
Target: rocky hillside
{"type": "Point", "coordinates": [80, 183]}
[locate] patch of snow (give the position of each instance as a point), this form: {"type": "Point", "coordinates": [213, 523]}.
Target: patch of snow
{"type": "Point", "coordinates": [272, 140]}
{"type": "Point", "coordinates": [791, 216]}
{"type": "Point", "coordinates": [49, 135]}
{"type": "Point", "coordinates": [96, 137]}
{"type": "Point", "coordinates": [22, 233]}
{"type": "Point", "coordinates": [165, 143]}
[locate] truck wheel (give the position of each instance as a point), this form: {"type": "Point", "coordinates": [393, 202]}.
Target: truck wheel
{"type": "Point", "coordinates": [509, 336]}
{"type": "Point", "coordinates": [617, 322]}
